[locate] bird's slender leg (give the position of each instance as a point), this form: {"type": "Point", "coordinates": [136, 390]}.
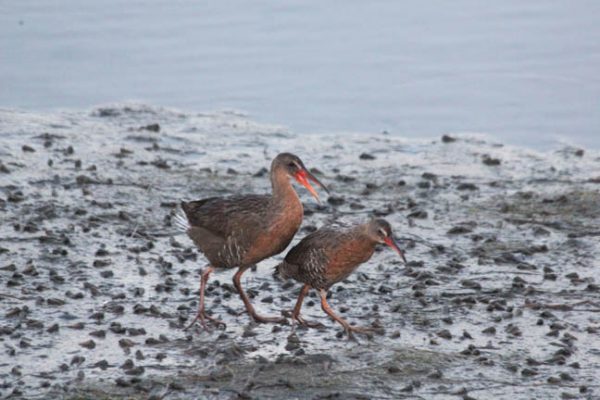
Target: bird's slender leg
{"type": "Point", "coordinates": [255, 316]}
{"type": "Point", "coordinates": [347, 327]}
{"type": "Point", "coordinates": [201, 315]}
{"type": "Point", "coordinates": [296, 313]}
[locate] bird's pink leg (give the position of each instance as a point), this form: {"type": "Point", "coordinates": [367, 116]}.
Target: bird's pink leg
{"type": "Point", "coordinates": [296, 313]}
{"type": "Point", "coordinates": [255, 316]}
{"type": "Point", "coordinates": [202, 316]}
{"type": "Point", "coordinates": [347, 327]}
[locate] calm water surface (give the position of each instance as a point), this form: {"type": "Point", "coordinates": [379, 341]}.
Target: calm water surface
{"type": "Point", "coordinates": [524, 72]}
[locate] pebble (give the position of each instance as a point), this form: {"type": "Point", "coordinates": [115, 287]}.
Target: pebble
{"type": "Point", "coordinates": [139, 370]}
{"type": "Point", "coordinates": [126, 343]}
{"type": "Point", "coordinates": [418, 214]}
{"type": "Point", "coordinates": [437, 374]}
{"type": "Point", "coordinates": [77, 326]}
{"type": "Point", "coordinates": [102, 364]}
{"type": "Point", "coordinates": [151, 127]}
{"type": "Point", "coordinates": [107, 274]}
{"type": "Point", "coordinates": [345, 178]}
{"type": "Point", "coordinates": [248, 332]}
{"type": "Point", "coordinates": [261, 172]}
{"type": "Point", "coordinates": [566, 377]}
{"type": "Point", "coordinates": [136, 331]}
{"type": "Point", "coordinates": [489, 331]}
{"type": "Point", "coordinates": [529, 372]}
{"type": "Point", "coordinates": [336, 200]}
{"type": "Point", "coordinates": [487, 160]}
{"type": "Point", "coordinates": [467, 186]}
{"type": "Point", "coordinates": [471, 284]}
{"type": "Point", "coordinates": [128, 364]}
{"type": "Point", "coordinates": [98, 316]}
{"type": "Point", "coordinates": [444, 334]}
{"type": "Point", "coordinates": [117, 328]}
{"type": "Point", "coordinates": [99, 334]}
{"type": "Point", "coordinates": [293, 343]}
{"type": "Point", "coordinates": [77, 360]}
{"type": "Point", "coordinates": [88, 344]}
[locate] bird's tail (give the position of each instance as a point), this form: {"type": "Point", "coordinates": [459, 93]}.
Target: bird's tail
{"type": "Point", "coordinates": [180, 220]}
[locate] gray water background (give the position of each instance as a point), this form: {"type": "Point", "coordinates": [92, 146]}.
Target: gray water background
{"type": "Point", "coordinates": [525, 72]}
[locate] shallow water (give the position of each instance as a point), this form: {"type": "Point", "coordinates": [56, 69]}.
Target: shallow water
{"type": "Point", "coordinates": [524, 72]}
{"type": "Point", "coordinates": [506, 253]}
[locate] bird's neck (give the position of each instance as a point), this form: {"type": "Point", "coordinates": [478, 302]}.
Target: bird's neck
{"type": "Point", "coordinates": [283, 191]}
{"type": "Point", "coordinates": [363, 232]}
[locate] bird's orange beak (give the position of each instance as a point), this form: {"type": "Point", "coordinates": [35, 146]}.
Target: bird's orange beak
{"type": "Point", "coordinates": [303, 176]}
{"type": "Point", "coordinates": [390, 241]}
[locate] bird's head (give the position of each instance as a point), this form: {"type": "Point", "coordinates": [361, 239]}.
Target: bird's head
{"type": "Point", "coordinates": [293, 166]}
{"type": "Point", "coordinates": [380, 231]}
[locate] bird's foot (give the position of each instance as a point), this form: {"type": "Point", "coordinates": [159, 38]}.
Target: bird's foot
{"type": "Point", "coordinates": [366, 330]}
{"type": "Point", "coordinates": [261, 319]}
{"type": "Point", "coordinates": [203, 317]}
{"type": "Point", "coordinates": [308, 323]}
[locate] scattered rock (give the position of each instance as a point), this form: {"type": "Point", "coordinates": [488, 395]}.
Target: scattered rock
{"type": "Point", "coordinates": [487, 160]}
{"type": "Point", "coordinates": [444, 334]}
{"type": "Point", "coordinates": [460, 230]}
{"type": "Point", "coordinates": [418, 214]}
{"type": "Point", "coordinates": [467, 186]}
{"type": "Point", "coordinates": [151, 127]}
{"type": "Point", "coordinates": [88, 344]}
{"type": "Point", "coordinates": [448, 139]}
{"type": "Point", "coordinates": [366, 156]}
{"type": "Point", "coordinates": [489, 331]}
{"type": "Point", "coordinates": [336, 200]}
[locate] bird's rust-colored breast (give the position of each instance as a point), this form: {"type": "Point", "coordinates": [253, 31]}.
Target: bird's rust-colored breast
{"type": "Point", "coordinates": [282, 227]}
{"type": "Point", "coordinates": [346, 258]}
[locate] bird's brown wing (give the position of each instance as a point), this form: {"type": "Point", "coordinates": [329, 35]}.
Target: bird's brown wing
{"type": "Point", "coordinates": [224, 216]}
{"type": "Point", "coordinates": [225, 228]}
{"type": "Point", "coordinates": [307, 261]}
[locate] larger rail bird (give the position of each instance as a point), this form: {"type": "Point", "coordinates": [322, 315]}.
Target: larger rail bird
{"type": "Point", "coordinates": [329, 255]}
{"type": "Point", "coordinates": [242, 230]}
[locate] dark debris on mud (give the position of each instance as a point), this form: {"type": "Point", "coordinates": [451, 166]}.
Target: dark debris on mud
{"type": "Point", "coordinates": [499, 298]}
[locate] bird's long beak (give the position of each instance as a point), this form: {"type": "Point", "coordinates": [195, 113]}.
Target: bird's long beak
{"type": "Point", "coordinates": [303, 176]}
{"type": "Point", "coordinates": [390, 241]}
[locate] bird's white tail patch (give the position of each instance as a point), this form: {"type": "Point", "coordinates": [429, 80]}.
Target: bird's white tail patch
{"type": "Point", "coordinates": [181, 221]}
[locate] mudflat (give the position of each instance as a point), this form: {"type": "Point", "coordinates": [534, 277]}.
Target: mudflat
{"type": "Point", "coordinates": [500, 297]}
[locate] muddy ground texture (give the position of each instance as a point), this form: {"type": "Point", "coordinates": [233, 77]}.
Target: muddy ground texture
{"type": "Point", "coordinates": [500, 298]}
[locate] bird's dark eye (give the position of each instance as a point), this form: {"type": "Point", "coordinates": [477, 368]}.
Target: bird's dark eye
{"type": "Point", "coordinates": [291, 164]}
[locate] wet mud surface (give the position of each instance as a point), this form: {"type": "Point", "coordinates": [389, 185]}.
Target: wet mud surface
{"type": "Point", "coordinates": [500, 298]}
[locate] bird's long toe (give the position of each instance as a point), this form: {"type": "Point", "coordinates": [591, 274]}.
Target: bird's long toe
{"type": "Point", "coordinates": [203, 317]}
{"type": "Point", "coordinates": [308, 323]}
{"type": "Point", "coordinates": [365, 330]}
{"type": "Point", "coordinates": [266, 320]}
{"type": "Point", "coordinates": [217, 322]}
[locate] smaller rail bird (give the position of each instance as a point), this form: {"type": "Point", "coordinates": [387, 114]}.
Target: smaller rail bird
{"type": "Point", "coordinates": [240, 231]}
{"type": "Point", "coordinates": [330, 255]}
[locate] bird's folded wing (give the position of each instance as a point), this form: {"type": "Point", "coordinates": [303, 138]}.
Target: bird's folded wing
{"type": "Point", "coordinates": [227, 216]}
{"type": "Point", "coordinates": [314, 250]}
